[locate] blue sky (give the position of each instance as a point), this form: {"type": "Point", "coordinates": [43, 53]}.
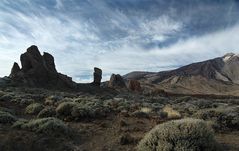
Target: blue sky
{"type": "Point", "coordinates": [118, 36]}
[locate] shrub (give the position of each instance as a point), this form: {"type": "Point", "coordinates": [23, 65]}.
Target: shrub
{"type": "Point", "coordinates": [47, 112]}
{"type": "Point", "coordinates": [179, 135]}
{"type": "Point", "coordinates": [203, 104]}
{"type": "Point", "coordinates": [225, 118]}
{"type": "Point", "coordinates": [52, 99]}
{"type": "Point", "coordinates": [183, 99]}
{"type": "Point", "coordinates": [163, 115]}
{"type": "Point", "coordinates": [6, 97]}
{"type": "Point", "coordinates": [65, 108]}
{"type": "Point", "coordinates": [1, 93]}
{"type": "Point", "coordinates": [126, 139]}
{"type": "Point", "coordinates": [89, 111]}
{"type": "Point", "coordinates": [146, 110]}
{"type": "Point", "coordinates": [140, 114]}
{"type": "Point", "coordinates": [3, 109]}
{"type": "Point", "coordinates": [6, 117]}
{"type": "Point", "coordinates": [34, 108]}
{"type": "Point", "coordinates": [26, 101]}
{"type": "Point", "coordinates": [171, 113]}
{"type": "Point", "coordinates": [19, 123]}
{"type": "Point", "coordinates": [48, 125]}
{"type": "Point", "coordinates": [185, 108]}
{"type": "Point", "coordinates": [82, 109]}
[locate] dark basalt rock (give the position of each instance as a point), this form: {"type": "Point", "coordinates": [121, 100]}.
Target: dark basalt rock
{"type": "Point", "coordinates": [31, 59]}
{"type": "Point", "coordinates": [5, 81]}
{"type": "Point", "coordinates": [15, 70]}
{"type": "Point", "coordinates": [97, 76]}
{"type": "Point", "coordinates": [39, 71]}
{"type": "Point", "coordinates": [49, 62]}
{"type": "Point", "coordinates": [116, 81]}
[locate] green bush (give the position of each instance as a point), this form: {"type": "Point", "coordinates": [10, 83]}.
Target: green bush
{"type": "Point", "coordinates": [1, 93]}
{"type": "Point", "coordinates": [89, 111]}
{"type": "Point", "coordinates": [34, 108]}
{"type": "Point", "coordinates": [19, 123]}
{"type": "Point", "coordinates": [6, 117]}
{"type": "Point", "coordinates": [6, 97]}
{"type": "Point", "coordinates": [226, 118]}
{"type": "Point", "coordinates": [179, 135]}
{"type": "Point", "coordinates": [48, 125]}
{"type": "Point", "coordinates": [65, 108]}
{"type": "Point", "coordinates": [47, 112]}
{"type": "Point", "coordinates": [26, 101]}
{"type": "Point", "coordinates": [140, 114]}
{"type": "Point", "coordinates": [3, 109]}
{"type": "Point", "coordinates": [52, 99]}
{"type": "Point", "coordinates": [183, 99]}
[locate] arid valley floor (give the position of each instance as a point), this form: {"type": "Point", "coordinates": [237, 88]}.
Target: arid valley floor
{"type": "Point", "coordinates": [104, 121]}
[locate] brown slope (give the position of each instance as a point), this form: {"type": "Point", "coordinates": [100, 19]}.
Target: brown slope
{"type": "Point", "coordinates": [218, 76]}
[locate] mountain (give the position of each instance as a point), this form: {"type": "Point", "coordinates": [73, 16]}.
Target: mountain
{"type": "Point", "coordinates": [218, 76]}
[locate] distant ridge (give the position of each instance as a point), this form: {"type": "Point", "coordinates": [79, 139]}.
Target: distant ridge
{"type": "Point", "coordinates": [215, 76]}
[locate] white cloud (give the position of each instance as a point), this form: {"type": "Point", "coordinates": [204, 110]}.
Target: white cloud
{"type": "Point", "coordinates": [78, 45]}
{"type": "Point", "coordinates": [59, 4]}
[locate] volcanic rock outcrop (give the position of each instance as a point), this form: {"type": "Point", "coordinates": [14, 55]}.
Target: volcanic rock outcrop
{"type": "Point", "coordinates": [97, 76]}
{"type": "Point", "coordinates": [116, 81]}
{"type": "Point", "coordinates": [39, 71]}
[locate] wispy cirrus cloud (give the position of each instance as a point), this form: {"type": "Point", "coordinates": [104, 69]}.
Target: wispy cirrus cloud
{"type": "Point", "coordinates": [117, 36]}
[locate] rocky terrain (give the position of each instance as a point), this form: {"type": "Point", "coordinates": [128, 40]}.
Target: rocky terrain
{"type": "Point", "coordinates": [217, 76]}
{"type": "Point", "coordinates": [43, 110]}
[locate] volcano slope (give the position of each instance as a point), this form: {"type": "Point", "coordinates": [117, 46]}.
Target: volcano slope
{"type": "Point", "coordinates": [219, 76]}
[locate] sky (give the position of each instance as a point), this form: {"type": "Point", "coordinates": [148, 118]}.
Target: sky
{"type": "Point", "coordinates": [118, 36]}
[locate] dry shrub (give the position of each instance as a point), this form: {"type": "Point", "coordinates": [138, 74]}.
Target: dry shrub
{"type": "Point", "coordinates": [180, 135]}
{"type": "Point", "coordinates": [34, 108]}
{"type": "Point", "coordinates": [171, 113]}
{"type": "Point", "coordinates": [50, 126]}
{"type": "Point", "coordinates": [47, 112]}
{"type": "Point", "coordinates": [225, 118]}
{"type": "Point", "coordinates": [65, 108]}
{"type": "Point", "coordinates": [6, 117]}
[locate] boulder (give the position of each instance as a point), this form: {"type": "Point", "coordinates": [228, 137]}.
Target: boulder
{"type": "Point", "coordinates": [97, 76]}
{"type": "Point", "coordinates": [116, 81]}
{"type": "Point", "coordinates": [134, 85]}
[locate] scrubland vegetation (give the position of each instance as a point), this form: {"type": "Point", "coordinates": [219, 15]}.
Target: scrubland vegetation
{"type": "Point", "coordinates": [125, 121]}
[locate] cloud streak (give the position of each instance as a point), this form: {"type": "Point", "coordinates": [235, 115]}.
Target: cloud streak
{"type": "Point", "coordinates": [119, 36]}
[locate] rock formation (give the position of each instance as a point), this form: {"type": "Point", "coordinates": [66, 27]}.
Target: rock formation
{"type": "Point", "coordinates": [15, 70]}
{"type": "Point", "coordinates": [116, 81]}
{"type": "Point", "coordinates": [97, 76]}
{"type": "Point", "coordinates": [49, 62]}
{"type": "Point", "coordinates": [39, 71]}
{"type": "Point", "coordinates": [134, 85]}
